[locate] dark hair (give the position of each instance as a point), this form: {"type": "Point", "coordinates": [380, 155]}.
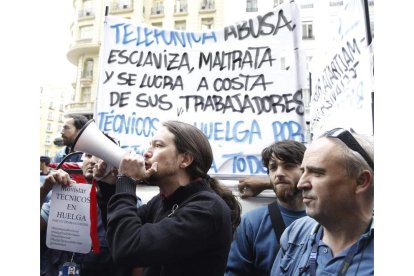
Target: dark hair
{"type": "Point", "coordinates": [287, 151]}
{"type": "Point", "coordinates": [191, 140]}
{"type": "Point", "coordinates": [78, 120]}
{"type": "Point", "coordinates": [45, 159]}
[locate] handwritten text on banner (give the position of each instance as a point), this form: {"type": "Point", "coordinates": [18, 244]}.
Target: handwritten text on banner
{"type": "Point", "coordinates": [241, 85]}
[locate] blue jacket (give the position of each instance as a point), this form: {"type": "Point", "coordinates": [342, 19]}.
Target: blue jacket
{"type": "Point", "coordinates": [255, 246]}
{"type": "Point", "coordinates": [296, 246]}
{"type": "Point", "coordinates": [62, 153]}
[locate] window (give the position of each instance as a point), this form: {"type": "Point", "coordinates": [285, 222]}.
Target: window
{"type": "Point", "coordinates": [157, 24]}
{"type": "Point", "coordinates": [277, 3]}
{"type": "Point", "coordinates": [371, 24]}
{"type": "Point", "coordinates": [50, 116]}
{"type": "Point", "coordinates": [61, 107]}
{"type": "Point", "coordinates": [47, 140]}
{"type": "Point", "coordinates": [124, 4]}
{"type": "Point", "coordinates": [306, 96]}
{"type": "Point", "coordinates": [86, 94]}
{"type": "Point", "coordinates": [49, 127]}
{"type": "Point", "coordinates": [88, 7]}
{"type": "Point", "coordinates": [308, 63]}
{"type": "Point", "coordinates": [307, 30]}
{"type": "Point", "coordinates": [58, 128]}
{"type": "Point", "coordinates": [207, 24]}
{"type": "Point", "coordinates": [88, 69]}
{"type": "Point", "coordinates": [180, 25]}
{"type": "Point", "coordinates": [207, 5]}
{"type": "Point", "coordinates": [60, 119]}
{"type": "Point", "coordinates": [180, 6]}
{"type": "Point", "coordinates": [251, 6]}
{"type": "Point", "coordinates": [306, 6]}
{"type": "Point", "coordinates": [282, 63]}
{"type": "Point", "coordinates": [157, 8]}
{"type": "Point", "coordinates": [50, 105]}
{"type": "Point", "coordinates": [85, 32]}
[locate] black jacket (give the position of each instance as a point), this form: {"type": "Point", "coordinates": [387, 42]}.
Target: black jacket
{"type": "Point", "coordinates": [194, 239]}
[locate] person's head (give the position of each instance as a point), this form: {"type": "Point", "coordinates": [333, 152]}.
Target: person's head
{"type": "Point", "coordinates": [88, 164]}
{"type": "Point", "coordinates": [337, 180]}
{"type": "Point", "coordinates": [44, 161]}
{"type": "Point", "coordinates": [283, 160]}
{"type": "Point", "coordinates": [71, 128]}
{"type": "Point", "coordinates": [180, 146]}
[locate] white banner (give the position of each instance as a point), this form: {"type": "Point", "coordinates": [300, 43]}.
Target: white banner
{"type": "Point", "coordinates": [68, 227]}
{"type": "Point", "coordinates": [241, 85]}
{"type": "Point", "coordinates": [343, 75]}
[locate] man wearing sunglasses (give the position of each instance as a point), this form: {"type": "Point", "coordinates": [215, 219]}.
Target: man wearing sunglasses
{"type": "Point", "coordinates": [337, 237]}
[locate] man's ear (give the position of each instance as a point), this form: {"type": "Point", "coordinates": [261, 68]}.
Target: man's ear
{"type": "Point", "coordinates": [187, 160]}
{"type": "Point", "coordinates": [363, 181]}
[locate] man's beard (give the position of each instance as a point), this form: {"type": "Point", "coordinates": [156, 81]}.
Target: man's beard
{"type": "Point", "coordinates": [159, 176]}
{"type": "Point", "coordinates": [88, 176]}
{"type": "Point", "coordinates": [287, 194]}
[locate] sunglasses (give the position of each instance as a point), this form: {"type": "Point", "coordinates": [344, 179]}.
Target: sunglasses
{"type": "Point", "coordinates": [346, 137]}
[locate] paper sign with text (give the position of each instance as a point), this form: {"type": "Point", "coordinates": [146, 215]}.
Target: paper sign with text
{"type": "Point", "coordinates": [241, 85]}
{"type": "Point", "coordinates": [68, 227]}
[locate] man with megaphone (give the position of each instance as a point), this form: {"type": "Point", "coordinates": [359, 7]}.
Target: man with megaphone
{"type": "Point", "coordinates": [187, 228]}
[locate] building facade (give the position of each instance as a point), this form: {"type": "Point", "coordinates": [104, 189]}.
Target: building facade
{"type": "Point", "coordinates": [52, 109]}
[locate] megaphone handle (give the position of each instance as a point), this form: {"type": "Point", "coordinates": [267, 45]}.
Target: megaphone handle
{"type": "Point", "coordinates": [67, 157]}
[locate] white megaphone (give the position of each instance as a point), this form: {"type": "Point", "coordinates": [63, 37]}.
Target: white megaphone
{"type": "Point", "coordinates": [91, 140]}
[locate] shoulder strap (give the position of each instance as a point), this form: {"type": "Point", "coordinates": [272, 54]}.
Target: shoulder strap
{"type": "Point", "coordinates": [277, 220]}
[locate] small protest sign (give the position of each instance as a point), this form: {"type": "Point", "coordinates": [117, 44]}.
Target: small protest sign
{"type": "Point", "coordinates": [68, 227]}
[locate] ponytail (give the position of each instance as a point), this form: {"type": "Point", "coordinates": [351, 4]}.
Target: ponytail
{"type": "Point", "coordinates": [229, 198]}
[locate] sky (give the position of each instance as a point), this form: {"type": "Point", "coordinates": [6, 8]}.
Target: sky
{"type": "Point", "coordinates": [55, 68]}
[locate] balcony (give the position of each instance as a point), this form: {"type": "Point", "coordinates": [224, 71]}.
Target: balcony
{"type": "Point", "coordinates": [80, 48]}
{"type": "Point", "coordinates": [86, 78]}
{"type": "Point", "coordinates": [336, 3]}
{"type": "Point", "coordinates": [306, 6]}
{"type": "Point", "coordinates": [250, 8]}
{"type": "Point", "coordinates": [86, 14]}
{"type": "Point", "coordinates": [80, 108]}
{"type": "Point", "coordinates": [118, 7]}
{"type": "Point", "coordinates": [157, 11]}
{"type": "Point", "coordinates": [308, 37]}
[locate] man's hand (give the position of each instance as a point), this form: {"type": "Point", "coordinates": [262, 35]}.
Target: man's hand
{"type": "Point", "coordinates": [103, 172]}
{"type": "Point", "coordinates": [56, 176]}
{"type": "Point", "coordinates": [133, 165]}
{"type": "Point", "coordinates": [253, 185]}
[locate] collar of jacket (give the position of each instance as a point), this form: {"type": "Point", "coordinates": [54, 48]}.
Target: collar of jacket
{"type": "Point", "coordinates": [184, 192]}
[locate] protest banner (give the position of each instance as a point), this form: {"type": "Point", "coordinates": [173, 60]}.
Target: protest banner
{"type": "Point", "coordinates": [241, 85]}
{"type": "Point", "coordinates": [343, 72]}
{"type": "Point", "coordinates": [68, 227]}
